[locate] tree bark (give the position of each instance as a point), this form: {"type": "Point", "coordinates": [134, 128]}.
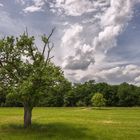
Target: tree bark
{"type": "Point", "coordinates": [27, 116]}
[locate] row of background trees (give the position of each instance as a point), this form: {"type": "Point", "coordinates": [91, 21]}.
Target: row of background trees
{"type": "Point", "coordinates": [80, 94]}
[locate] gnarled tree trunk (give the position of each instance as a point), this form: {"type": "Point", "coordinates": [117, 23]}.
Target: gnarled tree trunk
{"type": "Point", "coordinates": [27, 116]}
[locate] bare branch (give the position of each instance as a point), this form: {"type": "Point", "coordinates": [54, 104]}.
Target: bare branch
{"type": "Point", "coordinates": [44, 48]}
{"type": "Point", "coordinates": [50, 58]}
{"type": "Point", "coordinates": [51, 33]}
{"type": "Point", "coordinates": [49, 51]}
{"type": "Point", "coordinates": [45, 45]}
{"type": "Point", "coordinates": [26, 31]}
{"type": "Point", "coordinates": [1, 63]}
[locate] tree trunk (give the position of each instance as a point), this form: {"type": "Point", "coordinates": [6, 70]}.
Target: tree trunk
{"type": "Point", "coordinates": [27, 116]}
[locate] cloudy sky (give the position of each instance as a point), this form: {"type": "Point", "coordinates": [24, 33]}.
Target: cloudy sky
{"type": "Point", "coordinates": [94, 39]}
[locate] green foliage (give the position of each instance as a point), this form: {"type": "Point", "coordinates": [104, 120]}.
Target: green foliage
{"type": "Point", "coordinates": [55, 96]}
{"type": "Point", "coordinates": [70, 99]}
{"type": "Point", "coordinates": [127, 95]}
{"type": "Point", "coordinates": [80, 94]}
{"type": "Point", "coordinates": [98, 100]}
{"type": "Point", "coordinates": [26, 71]}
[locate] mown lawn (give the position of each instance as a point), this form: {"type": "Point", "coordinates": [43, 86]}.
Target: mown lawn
{"type": "Point", "coordinates": [71, 124]}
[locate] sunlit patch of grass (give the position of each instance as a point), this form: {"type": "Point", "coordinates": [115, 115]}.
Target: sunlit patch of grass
{"type": "Point", "coordinates": [71, 124]}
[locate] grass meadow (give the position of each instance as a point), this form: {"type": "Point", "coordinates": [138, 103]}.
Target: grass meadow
{"type": "Point", "coordinates": [71, 124]}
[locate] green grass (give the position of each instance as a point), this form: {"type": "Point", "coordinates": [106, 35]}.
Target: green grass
{"type": "Point", "coordinates": [71, 124]}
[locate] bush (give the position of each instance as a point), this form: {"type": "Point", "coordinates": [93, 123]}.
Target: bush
{"type": "Point", "coordinates": [98, 100]}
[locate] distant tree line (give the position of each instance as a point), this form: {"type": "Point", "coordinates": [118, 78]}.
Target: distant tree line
{"type": "Point", "coordinates": [81, 94]}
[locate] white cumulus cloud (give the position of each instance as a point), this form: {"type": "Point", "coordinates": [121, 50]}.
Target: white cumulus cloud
{"type": "Point", "coordinates": [77, 7]}
{"type": "Point", "coordinates": [111, 23]}
{"type": "Point", "coordinates": [37, 6]}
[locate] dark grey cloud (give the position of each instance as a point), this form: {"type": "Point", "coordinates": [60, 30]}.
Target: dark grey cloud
{"type": "Point", "coordinates": [80, 61]}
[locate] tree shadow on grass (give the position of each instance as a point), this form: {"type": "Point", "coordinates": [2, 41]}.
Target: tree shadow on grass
{"type": "Point", "coordinates": [50, 131]}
